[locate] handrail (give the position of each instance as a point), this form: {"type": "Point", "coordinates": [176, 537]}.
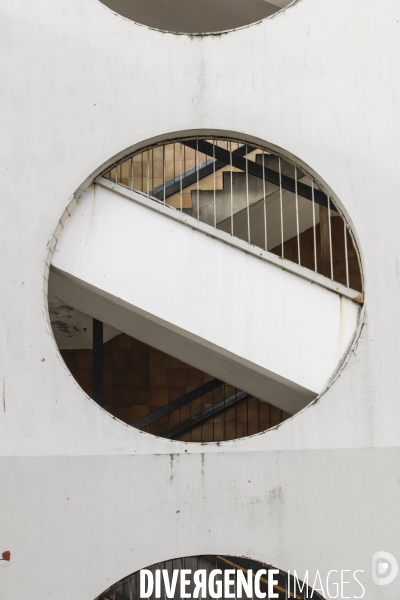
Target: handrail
{"type": "Point", "coordinates": [114, 595]}
{"type": "Point", "coordinates": [259, 200]}
{"type": "Point", "coordinates": [253, 168]}
{"type": "Point", "coordinates": [287, 265]}
{"type": "Point", "coordinates": [178, 403]}
{"type": "Point", "coordinates": [204, 415]}
{"type": "Point", "coordinates": [205, 171]}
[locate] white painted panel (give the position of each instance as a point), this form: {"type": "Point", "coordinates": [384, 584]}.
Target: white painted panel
{"type": "Point", "coordinates": [254, 312]}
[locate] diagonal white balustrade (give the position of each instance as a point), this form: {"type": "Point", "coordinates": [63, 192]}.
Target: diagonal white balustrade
{"type": "Point", "coordinates": [194, 293]}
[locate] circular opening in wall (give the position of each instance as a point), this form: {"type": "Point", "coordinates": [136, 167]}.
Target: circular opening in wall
{"type": "Point", "coordinates": [204, 289]}
{"type": "Point", "coordinates": [210, 576]}
{"type": "Point", "coordinates": [196, 16]}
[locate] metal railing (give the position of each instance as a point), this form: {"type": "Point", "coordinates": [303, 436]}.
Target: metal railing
{"type": "Point", "coordinates": [215, 411]}
{"type": "Point", "coordinates": [286, 586]}
{"type": "Point", "coordinates": [252, 194]}
{"type": "Point", "coordinates": [211, 412]}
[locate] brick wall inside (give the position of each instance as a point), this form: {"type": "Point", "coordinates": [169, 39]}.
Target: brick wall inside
{"type": "Point", "coordinates": [307, 257]}
{"type": "Point", "coordinates": [139, 379]}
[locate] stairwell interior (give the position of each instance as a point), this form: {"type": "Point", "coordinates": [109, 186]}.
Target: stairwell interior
{"type": "Point", "coordinates": [192, 181]}
{"type": "Point", "coordinates": [158, 383]}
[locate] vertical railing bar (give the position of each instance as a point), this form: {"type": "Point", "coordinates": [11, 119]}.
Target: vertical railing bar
{"type": "Point", "coordinates": [131, 173]}
{"type": "Point", "coordinates": [231, 186]}
{"type": "Point", "coordinates": [247, 415]}
{"type": "Point", "coordinates": [164, 172]}
{"type": "Point", "coordinates": [201, 424]}
{"type": "Point", "coordinates": [213, 419]}
{"type": "Point", "coordinates": [346, 255]}
{"type": "Point", "coordinates": [224, 436]}
{"type": "Point", "coordinates": [265, 202]}
{"type": "Point", "coordinates": [247, 198]}
{"type": "Point", "coordinates": [197, 174]}
{"type": "Point", "coordinates": [148, 173]}
{"type": "Point", "coordinates": [174, 163]}
{"type": "Point", "coordinates": [330, 235]}
{"type": "Point", "coordinates": [179, 415]}
{"type": "Point", "coordinates": [168, 421]}
{"type": "Point", "coordinates": [190, 430]}
{"type": "Point", "coordinates": [180, 167]}
{"type": "Point", "coordinates": [281, 205]}
{"type": "Point", "coordinates": [297, 215]}
{"type": "Point", "coordinates": [142, 172]}
{"type": "Point", "coordinates": [152, 169]}
{"type": "Point", "coordinates": [215, 193]}
{"type": "Point", "coordinates": [236, 421]}
{"type": "Point", "coordinates": [314, 225]}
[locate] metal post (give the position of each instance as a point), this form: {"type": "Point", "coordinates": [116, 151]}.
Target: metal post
{"type": "Point", "coordinates": [97, 365]}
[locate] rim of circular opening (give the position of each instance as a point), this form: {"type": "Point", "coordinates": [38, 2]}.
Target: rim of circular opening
{"type": "Point", "coordinates": [170, 138]}
{"type": "Point", "coordinates": [199, 35]}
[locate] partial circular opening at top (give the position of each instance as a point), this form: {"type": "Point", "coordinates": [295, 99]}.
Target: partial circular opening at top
{"type": "Point", "coordinates": [196, 16]}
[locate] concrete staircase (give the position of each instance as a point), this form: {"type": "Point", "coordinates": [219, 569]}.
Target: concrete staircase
{"type": "Point", "coordinates": [241, 186]}
{"type": "Point", "coordinates": [137, 266]}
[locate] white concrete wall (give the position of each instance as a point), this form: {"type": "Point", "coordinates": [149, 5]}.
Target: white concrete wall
{"type": "Point", "coordinates": [242, 319]}
{"type": "Point", "coordinates": [84, 499]}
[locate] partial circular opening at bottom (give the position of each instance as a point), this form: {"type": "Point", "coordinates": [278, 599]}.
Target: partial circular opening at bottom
{"type": "Point", "coordinates": [209, 577]}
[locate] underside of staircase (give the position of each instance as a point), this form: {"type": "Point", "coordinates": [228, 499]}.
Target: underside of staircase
{"type": "Point", "coordinates": [226, 268]}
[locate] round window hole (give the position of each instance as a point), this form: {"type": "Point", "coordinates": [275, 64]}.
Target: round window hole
{"type": "Point", "coordinates": [204, 289]}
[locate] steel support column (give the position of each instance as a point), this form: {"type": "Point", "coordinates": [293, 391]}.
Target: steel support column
{"type": "Point", "coordinates": [97, 365]}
